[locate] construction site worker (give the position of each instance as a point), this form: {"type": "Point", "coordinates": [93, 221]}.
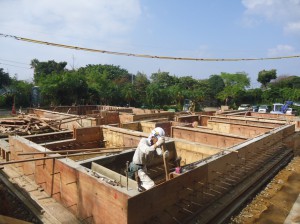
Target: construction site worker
{"type": "Point", "coordinates": [143, 154]}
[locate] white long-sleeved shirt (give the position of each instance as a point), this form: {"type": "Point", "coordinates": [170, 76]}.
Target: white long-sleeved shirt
{"type": "Point", "coordinates": [143, 153]}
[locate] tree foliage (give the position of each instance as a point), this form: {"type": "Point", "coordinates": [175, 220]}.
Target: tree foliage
{"type": "Point", "coordinates": [43, 69]}
{"type": "Point", "coordinates": [5, 79]}
{"type": "Point", "coordinates": [113, 85]}
{"type": "Point", "coordinates": [265, 76]}
{"type": "Point", "coordinates": [286, 81]}
{"type": "Point", "coordinates": [235, 86]}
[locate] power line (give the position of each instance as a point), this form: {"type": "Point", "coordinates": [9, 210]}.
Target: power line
{"type": "Point", "coordinates": [14, 65]}
{"type": "Point", "coordinates": [143, 55]}
{"type": "Point", "coordinates": [13, 61]}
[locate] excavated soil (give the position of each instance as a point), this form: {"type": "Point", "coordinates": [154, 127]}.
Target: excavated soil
{"type": "Point", "coordinates": [11, 206]}
{"type": "Point", "coordinates": [274, 202]}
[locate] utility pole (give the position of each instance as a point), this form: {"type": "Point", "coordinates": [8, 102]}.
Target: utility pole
{"type": "Point", "coordinates": [73, 62]}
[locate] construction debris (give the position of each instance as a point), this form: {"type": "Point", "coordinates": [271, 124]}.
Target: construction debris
{"type": "Point", "coordinates": [31, 124]}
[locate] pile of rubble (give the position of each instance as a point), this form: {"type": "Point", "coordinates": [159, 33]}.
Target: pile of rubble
{"type": "Point", "coordinates": [24, 125]}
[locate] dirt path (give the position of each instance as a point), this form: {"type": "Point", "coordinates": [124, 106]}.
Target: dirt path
{"type": "Point", "coordinates": [273, 204]}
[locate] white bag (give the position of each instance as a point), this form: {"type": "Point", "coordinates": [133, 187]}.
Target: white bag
{"type": "Point", "coordinates": [147, 183]}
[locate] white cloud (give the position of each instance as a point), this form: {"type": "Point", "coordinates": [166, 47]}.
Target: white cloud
{"type": "Point", "coordinates": [284, 12]}
{"type": "Point", "coordinates": [90, 20]}
{"type": "Point", "coordinates": [292, 28]}
{"type": "Point", "coordinates": [281, 50]}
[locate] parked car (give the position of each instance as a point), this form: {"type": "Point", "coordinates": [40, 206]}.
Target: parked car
{"type": "Point", "coordinates": [255, 108]}
{"type": "Point", "coordinates": [244, 107]}
{"type": "Point", "coordinates": [290, 111]}
{"type": "Point", "coordinates": [264, 109]}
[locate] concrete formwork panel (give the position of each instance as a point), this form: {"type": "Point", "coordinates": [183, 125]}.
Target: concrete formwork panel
{"type": "Point", "coordinates": [50, 137]}
{"type": "Point", "coordinates": [244, 130]}
{"type": "Point", "coordinates": [126, 118]}
{"type": "Point", "coordinates": [90, 198]}
{"type": "Point", "coordinates": [191, 151]}
{"type": "Point", "coordinates": [135, 126]}
{"type": "Point", "coordinates": [186, 119]}
{"type": "Point", "coordinates": [212, 169]}
{"type": "Point", "coordinates": [118, 137]}
{"type": "Point", "coordinates": [206, 137]}
{"type": "Point", "coordinates": [248, 121]}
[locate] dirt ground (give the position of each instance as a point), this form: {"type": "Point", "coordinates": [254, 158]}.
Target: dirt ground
{"type": "Point", "coordinates": [273, 204]}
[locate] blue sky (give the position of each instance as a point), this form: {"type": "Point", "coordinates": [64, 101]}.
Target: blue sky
{"type": "Point", "coordinates": [194, 28]}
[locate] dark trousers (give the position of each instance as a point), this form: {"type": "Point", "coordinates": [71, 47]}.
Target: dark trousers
{"type": "Point", "coordinates": [133, 168]}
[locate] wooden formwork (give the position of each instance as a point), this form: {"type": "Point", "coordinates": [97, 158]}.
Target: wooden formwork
{"type": "Point", "coordinates": [208, 137]}
{"type": "Point", "coordinates": [213, 164]}
{"type": "Point", "coordinates": [245, 130]}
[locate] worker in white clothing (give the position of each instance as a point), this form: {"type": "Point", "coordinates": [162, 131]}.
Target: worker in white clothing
{"type": "Point", "coordinates": [144, 153]}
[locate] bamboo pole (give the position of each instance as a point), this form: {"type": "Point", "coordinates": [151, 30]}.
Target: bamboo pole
{"type": "Point", "coordinates": [56, 157]}
{"type": "Point", "coordinates": [104, 150]}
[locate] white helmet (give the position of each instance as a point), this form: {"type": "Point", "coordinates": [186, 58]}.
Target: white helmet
{"type": "Point", "coordinates": [157, 132]}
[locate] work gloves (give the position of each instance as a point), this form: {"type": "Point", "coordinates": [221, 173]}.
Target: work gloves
{"type": "Point", "coordinates": [158, 144]}
{"type": "Point", "coordinates": [160, 141]}
{"type": "Point", "coordinates": [159, 152]}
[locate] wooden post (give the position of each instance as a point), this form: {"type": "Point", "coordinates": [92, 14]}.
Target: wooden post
{"type": "Point", "coordinates": [166, 164]}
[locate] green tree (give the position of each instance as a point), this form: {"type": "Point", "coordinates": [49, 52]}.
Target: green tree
{"type": "Point", "coordinates": [187, 82]}
{"type": "Point", "coordinates": [176, 95]}
{"type": "Point", "coordinates": [5, 79]}
{"type": "Point", "coordinates": [265, 76]}
{"type": "Point", "coordinates": [163, 79]}
{"type": "Point", "coordinates": [285, 81]}
{"type": "Point", "coordinates": [105, 83]}
{"type": "Point", "coordinates": [22, 92]}
{"type": "Point", "coordinates": [215, 86]}
{"type": "Point", "coordinates": [64, 89]}
{"type": "Point", "coordinates": [43, 69]}
{"type": "Point", "coordinates": [129, 93]}
{"type": "Point", "coordinates": [140, 85]}
{"type": "Point", "coordinates": [235, 86]}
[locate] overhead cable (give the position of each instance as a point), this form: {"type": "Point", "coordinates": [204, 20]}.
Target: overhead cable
{"type": "Point", "coordinates": [13, 61]}
{"type": "Point", "coordinates": [14, 65]}
{"type": "Point", "coordinates": [143, 55]}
